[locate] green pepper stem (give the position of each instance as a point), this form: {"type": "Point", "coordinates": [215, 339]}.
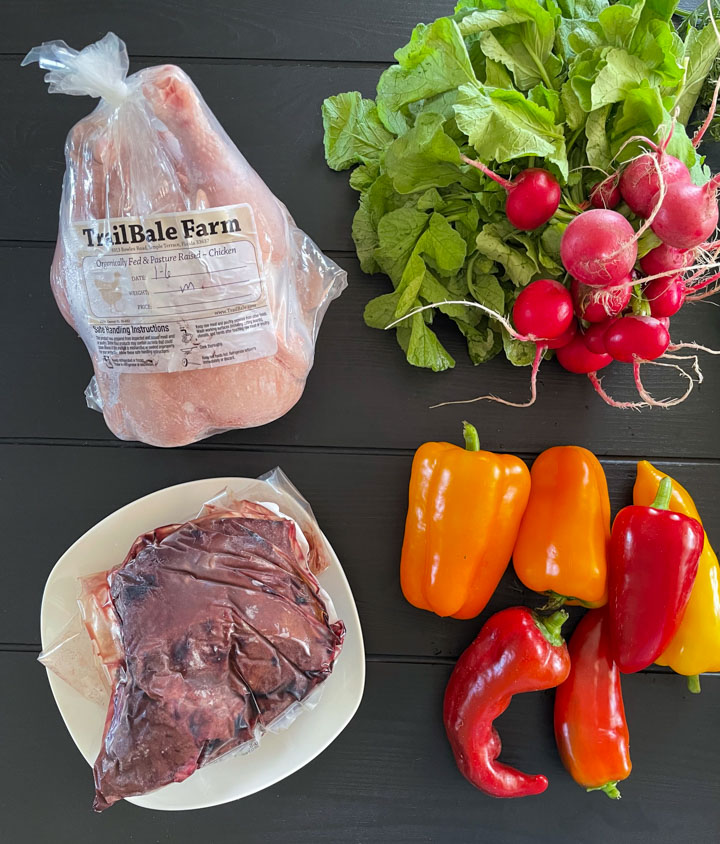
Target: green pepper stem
{"type": "Point", "coordinates": [472, 440]}
{"type": "Point", "coordinates": [693, 683]}
{"type": "Point", "coordinates": [662, 498]}
{"type": "Point", "coordinates": [554, 601]}
{"type": "Point", "coordinates": [610, 788]}
{"type": "Point", "coordinates": [550, 626]}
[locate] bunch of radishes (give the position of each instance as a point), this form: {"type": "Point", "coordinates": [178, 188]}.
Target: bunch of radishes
{"type": "Point", "coordinates": [612, 310]}
{"type": "Point", "coordinates": [624, 316]}
{"type": "Point", "coordinates": [609, 308]}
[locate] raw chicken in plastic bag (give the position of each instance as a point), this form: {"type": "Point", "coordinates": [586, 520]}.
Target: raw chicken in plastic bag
{"type": "Point", "coordinates": [196, 295]}
{"type": "Point", "coordinates": [207, 635]}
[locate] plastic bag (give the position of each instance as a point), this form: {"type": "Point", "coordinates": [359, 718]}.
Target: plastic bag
{"type": "Point", "coordinates": [197, 297]}
{"type": "Point", "coordinates": [208, 634]}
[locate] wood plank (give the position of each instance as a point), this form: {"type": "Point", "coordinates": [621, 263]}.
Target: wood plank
{"type": "Point", "coordinates": [359, 500]}
{"type": "Point", "coordinates": [331, 31]}
{"type": "Point", "coordinates": [271, 111]}
{"type": "Point", "coordinates": [362, 392]}
{"type": "Point", "coordinates": [328, 31]}
{"type": "Point", "coordinates": [390, 775]}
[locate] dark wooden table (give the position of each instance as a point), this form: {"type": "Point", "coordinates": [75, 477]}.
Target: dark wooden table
{"type": "Point", "coordinates": [264, 68]}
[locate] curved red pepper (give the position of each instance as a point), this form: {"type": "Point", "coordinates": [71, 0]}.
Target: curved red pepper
{"type": "Point", "coordinates": [590, 727]}
{"type": "Point", "coordinates": [654, 555]}
{"type": "Point", "coordinates": [514, 652]}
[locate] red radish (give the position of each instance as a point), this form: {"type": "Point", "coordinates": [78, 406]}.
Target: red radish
{"type": "Point", "coordinates": [636, 338]}
{"type": "Point", "coordinates": [543, 310]}
{"type": "Point", "coordinates": [596, 305]}
{"type": "Point", "coordinates": [640, 182]}
{"type": "Point", "coordinates": [688, 214]}
{"type": "Point", "coordinates": [605, 194]}
{"type": "Point", "coordinates": [665, 295]}
{"type": "Point", "coordinates": [599, 248]}
{"type": "Point", "coordinates": [665, 257]}
{"type": "Point", "coordinates": [576, 357]}
{"type": "Point", "coordinates": [533, 195]}
{"type": "Point", "coordinates": [565, 337]}
{"type": "Point", "coordinates": [594, 336]}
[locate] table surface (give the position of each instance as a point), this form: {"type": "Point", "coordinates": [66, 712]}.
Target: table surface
{"type": "Point", "coordinates": [264, 68]}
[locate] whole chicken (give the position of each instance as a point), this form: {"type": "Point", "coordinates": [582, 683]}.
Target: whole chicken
{"type": "Point", "coordinates": [196, 296]}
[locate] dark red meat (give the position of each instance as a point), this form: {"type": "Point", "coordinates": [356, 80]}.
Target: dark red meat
{"type": "Point", "coordinates": [223, 628]}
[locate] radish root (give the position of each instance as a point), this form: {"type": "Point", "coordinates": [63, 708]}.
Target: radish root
{"type": "Point", "coordinates": [539, 352]}
{"type": "Point", "coordinates": [608, 399]}
{"type": "Point", "coordinates": [650, 400]}
{"type": "Point", "coordinates": [603, 296]}
{"type": "Point", "coordinates": [653, 147]}
{"type": "Point", "coordinates": [695, 364]}
{"type": "Point", "coordinates": [675, 347]}
{"type": "Point", "coordinates": [489, 311]}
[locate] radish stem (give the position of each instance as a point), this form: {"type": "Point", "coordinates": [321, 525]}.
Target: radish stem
{"type": "Point", "coordinates": [698, 136]}
{"type": "Point", "coordinates": [488, 172]}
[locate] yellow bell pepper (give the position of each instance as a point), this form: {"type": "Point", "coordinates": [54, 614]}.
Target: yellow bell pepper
{"type": "Point", "coordinates": [695, 647]}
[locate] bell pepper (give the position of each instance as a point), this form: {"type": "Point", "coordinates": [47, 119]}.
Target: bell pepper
{"type": "Point", "coordinates": [654, 557]}
{"type": "Point", "coordinates": [514, 652]}
{"type": "Point", "coordinates": [464, 509]}
{"type": "Point", "coordinates": [562, 543]}
{"type": "Point", "coordinates": [695, 647]}
{"type": "Point", "coordinates": [590, 727]}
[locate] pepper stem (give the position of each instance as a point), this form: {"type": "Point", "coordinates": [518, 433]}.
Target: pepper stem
{"type": "Point", "coordinates": [472, 439]}
{"type": "Point", "coordinates": [554, 602]}
{"type": "Point", "coordinates": [662, 498]}
{"type": "Point", "coordinates": [550, 626]}
{"type": "Point", "coordinates": [693, 683]}
{"type": "Point", "coordinates": [610, 788]}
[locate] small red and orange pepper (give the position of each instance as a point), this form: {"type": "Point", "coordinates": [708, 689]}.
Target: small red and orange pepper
{"type": "Point", "coordinates": [590, 727]}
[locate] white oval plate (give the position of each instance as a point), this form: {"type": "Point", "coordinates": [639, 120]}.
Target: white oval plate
{"type": "Point", "coordinates": [234, 776]}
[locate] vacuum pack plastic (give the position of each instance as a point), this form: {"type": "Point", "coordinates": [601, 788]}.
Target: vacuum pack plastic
{"type": "Point", "coordinates": [208, 634]}
{"type": "Point", "coordinates": [197, 297]}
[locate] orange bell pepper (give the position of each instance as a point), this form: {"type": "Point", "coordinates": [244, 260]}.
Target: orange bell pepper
{"type": "Point", "coordinates": [464, 510]}
{"type": "Point", "coordinates": [562, 544]}
{"type": "Point", "coordinates": [695, 647]}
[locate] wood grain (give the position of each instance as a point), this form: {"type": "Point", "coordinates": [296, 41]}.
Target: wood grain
{"type": "Point", "coordinates": [390, 775]}
{"type": "Point", "coordinates": [360, 502]}
{"type": "Point", "coordinates": [264, 69]}
{"type": "Point", "coordinates": [362, 393]}
{"type": "Point", "coordinates": [325, 30]}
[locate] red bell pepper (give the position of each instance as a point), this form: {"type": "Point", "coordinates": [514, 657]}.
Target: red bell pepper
{"type": "Point", "coordinates": [515, 651]}
{"type": "Point", "coordinates": [654, 555]}
{"type": "Point", "coordinates": [590, 727]}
